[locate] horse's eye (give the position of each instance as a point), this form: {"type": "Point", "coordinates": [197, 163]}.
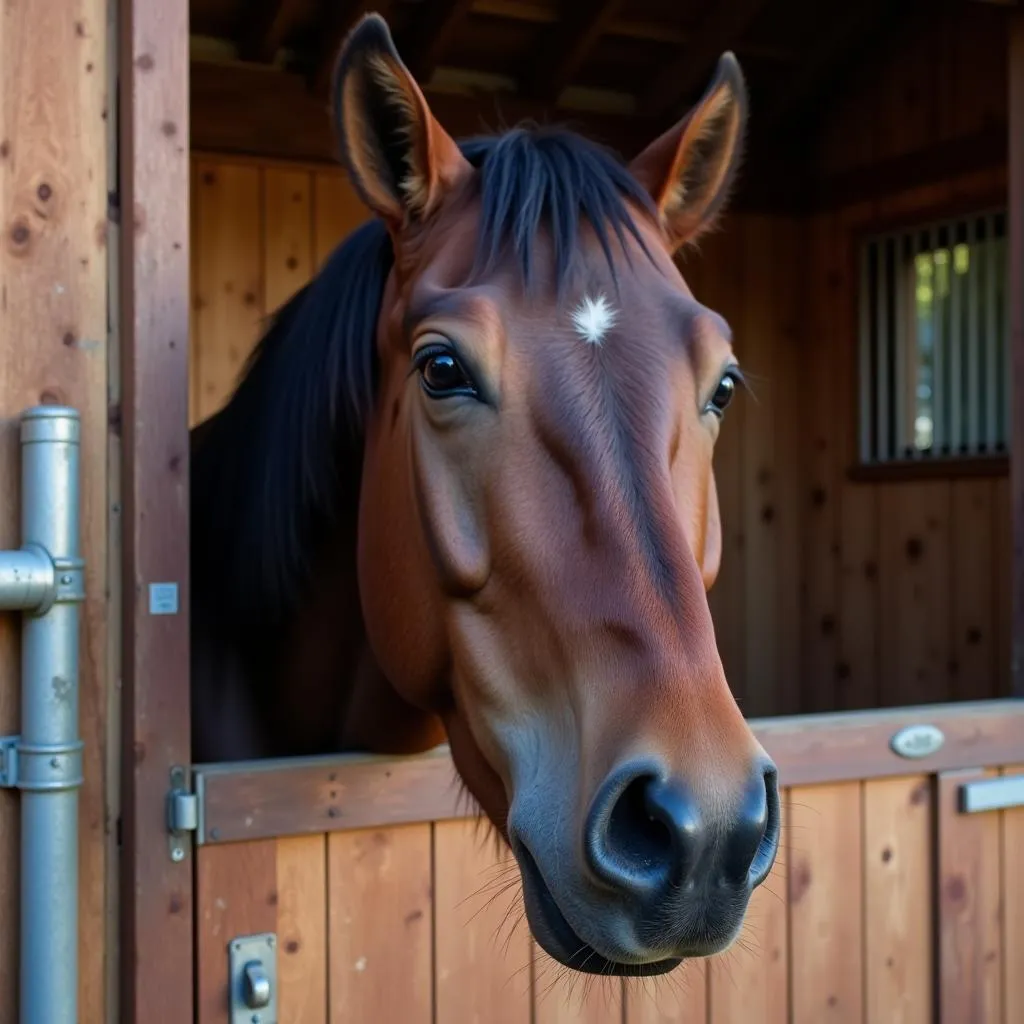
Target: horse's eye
{"type": "Point", "coordinates": [442, 375]}
{"type": "Point", "coordinates": [723, 395]}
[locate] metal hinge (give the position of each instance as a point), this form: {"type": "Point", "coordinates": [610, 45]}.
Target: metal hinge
{"type": "Point", "coordinates": [182, 813]}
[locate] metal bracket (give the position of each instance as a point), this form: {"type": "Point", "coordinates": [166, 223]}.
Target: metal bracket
{"type": "Point", "coordinates": [997, 794]}
{"type": "Point", "coordinates": [37, 768]}
{"type": "Point", "coordinates": [252, 979]}
{"type": "Point", "coordinates": [182, 814]}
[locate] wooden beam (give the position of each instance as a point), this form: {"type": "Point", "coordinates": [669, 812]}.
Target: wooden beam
{"type": "Point", "coordinates": [565, 48]}
{"type": "Point", "coordinates": [342, 15]}
{"type": "Point", "coordinates": [153, 127]}
{"type": "Point", "coordinates": [423, 44]}
{"type": "Point", "coordinates": [1015, 234]}
{"type": "Point", "coordinates": [831, 54]}
{"type": "Point", "coordinates": [267, 28]}
{"type": "Point", "coordinates": [683, 79]}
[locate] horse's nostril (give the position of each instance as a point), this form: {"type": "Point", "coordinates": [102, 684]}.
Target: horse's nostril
{"type": "Point", "coordinates": [768, 844]}
{"type": "Point", "coordinates": [636, 833]}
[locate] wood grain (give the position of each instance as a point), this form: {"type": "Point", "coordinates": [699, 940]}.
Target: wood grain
{"type": "Point", "coordinates": [337, 211]}
{"type": "Point", "coordinates": [825, 899]}
{"type": "Point", "coordinates": [1013, 907]}
{"type": "Point", "coordinates": [482, 945]}
{"type": "Point", "coordinates": [53, 349]}
{"type": "Point", "coordinates": [302, 891]}
{"type": "Point", "coordinates": [236, 895]}
{"type": "Point", "coordinates": [287, 234]}
{"type": "Point", "coordinates": [968, 908]}
{"type": "Point", "coordinates": [156, 893]}
{"type": "Point", "coordinates": [898, 887]}
{"type": "Point", "coordinates": [229, 278]}
{"type": "Point", "coordinates": [379, 905]}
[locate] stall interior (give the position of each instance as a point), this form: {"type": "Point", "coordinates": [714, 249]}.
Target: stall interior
{"type": "Point", "coordinates": [862, 266]}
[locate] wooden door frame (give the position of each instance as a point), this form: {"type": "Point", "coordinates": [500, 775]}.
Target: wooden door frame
{"type": "Point", "coordinates": [153, 198]}
{"type": "Point", "coordinates": [157, 938]}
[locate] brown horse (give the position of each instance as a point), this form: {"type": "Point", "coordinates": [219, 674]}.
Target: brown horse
{"type": "Point", "coordinates": [464, 491]}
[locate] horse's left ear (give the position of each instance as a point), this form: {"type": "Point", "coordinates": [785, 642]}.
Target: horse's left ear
{"type": "Point", "coordinates": [689, 169]}
{"type": "Point", "coordinates": [400, 159]}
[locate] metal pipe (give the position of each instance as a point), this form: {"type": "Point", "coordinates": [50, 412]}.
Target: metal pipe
{"type": "Point", "coordinates": [45, 761]}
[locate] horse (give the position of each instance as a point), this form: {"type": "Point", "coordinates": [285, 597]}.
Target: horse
{"type": "Point", "coordinates": [463, 493]}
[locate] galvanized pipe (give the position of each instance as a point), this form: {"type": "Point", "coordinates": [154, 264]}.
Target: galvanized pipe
{"type": "Point", "coordinates": [45, 579]}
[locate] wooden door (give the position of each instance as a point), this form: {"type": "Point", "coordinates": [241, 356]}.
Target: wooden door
{"type": "Point", "coordinates": [887, 903]}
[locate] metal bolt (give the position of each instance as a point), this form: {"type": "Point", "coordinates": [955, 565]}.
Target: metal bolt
{"type": "Point", "coordinates": [54, 762]}
{"type": "Point", "coordinates": [177, 854]}
{"type": "Point", "coordinates": [66, 579]}
{"type": "Point", "coordinates": [256, 1018]}
{"type": "Point", "coordinates": [270, 940]}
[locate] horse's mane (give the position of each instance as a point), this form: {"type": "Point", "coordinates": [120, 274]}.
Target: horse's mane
{"type": "Point", "coordinates": [277, 466]}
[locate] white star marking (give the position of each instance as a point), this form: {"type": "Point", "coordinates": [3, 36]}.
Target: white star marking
{"type": "Point", "coordinates": [593, 318]}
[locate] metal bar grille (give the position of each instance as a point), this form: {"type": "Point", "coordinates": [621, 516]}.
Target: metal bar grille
{"type": "Point", "coordinates": [933, 347]}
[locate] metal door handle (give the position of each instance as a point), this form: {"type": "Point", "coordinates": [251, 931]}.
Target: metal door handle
{"type": "Point", "coordinates": [995, 794]}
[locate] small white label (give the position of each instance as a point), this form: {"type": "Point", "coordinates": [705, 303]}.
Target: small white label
{"type": "Point", "coordinates": [163, 599]}
{"type": "Point", "coordinates": [917, 741]}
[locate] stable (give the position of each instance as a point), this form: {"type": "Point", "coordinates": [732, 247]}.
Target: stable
{"type": "Point", "coordinates": [169, 179]}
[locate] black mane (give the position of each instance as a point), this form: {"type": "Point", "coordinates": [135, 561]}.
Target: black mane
{"type": "Point", "coordinates": [276, 467]}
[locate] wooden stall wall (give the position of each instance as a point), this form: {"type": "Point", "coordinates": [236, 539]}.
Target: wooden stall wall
{"type": "Point", "coordinates": [906, 582]}
{"type": "Point", "coordinates": [423, 922]}
{"type": "Point", "coordinates": [53, 349]}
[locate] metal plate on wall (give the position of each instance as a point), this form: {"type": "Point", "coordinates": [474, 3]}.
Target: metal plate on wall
{"type": "Point", "coordinates": [252, 979]}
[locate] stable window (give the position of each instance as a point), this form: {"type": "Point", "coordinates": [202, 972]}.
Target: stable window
{"type": "Point", "coordinates": [934, 369]}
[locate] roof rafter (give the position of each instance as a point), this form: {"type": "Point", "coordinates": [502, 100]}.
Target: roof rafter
{"type": "Point", "coordinates": [423, 44]}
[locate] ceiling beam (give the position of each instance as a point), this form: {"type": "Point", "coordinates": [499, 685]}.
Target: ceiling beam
{"type": "Point", "coordinates": [423, 44]}
{"type": "Point", "coordinates": [683, 79]}
{"type": "Point", "coordinates": [566, 47]}
{"type": "Point", "coordinates": [266, 29]}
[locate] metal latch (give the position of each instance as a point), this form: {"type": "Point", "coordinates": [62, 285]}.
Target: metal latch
{"type": "Point", "coordinates": [252, 979]}
{"type": "Point", "coordinates": [995, 794]}
{"type": "Point", "coordinates": [182, 813]}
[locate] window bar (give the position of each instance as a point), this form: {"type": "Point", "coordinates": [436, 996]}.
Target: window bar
{"type": "Point", "coordinates": [938, 355]}
{"type": "Point", "coordinates": [956, 345]}
{"type": "Point", "coordinates": [973, 348]}
{"type": "Point", "coordinates": [865, 355]}
{"type": "Point", "coordinates": [882, 343]}
{"type": "Point", "coordinates": [991, 326]}
{"type": "Point", "coordinates": [901, 337]}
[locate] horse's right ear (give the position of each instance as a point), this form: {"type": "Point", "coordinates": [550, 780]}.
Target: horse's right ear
{"type": "Point", "coordinates": [400, 159]}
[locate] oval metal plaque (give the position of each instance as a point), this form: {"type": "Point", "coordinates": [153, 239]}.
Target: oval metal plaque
{"type": "Point", "coordinates": [917, 741]}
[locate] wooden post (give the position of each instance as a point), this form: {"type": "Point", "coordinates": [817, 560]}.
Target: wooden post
{"type": "Point", "coordinates": [1015, 230]}
{"type": "Point", "coordinates": [156, 966]}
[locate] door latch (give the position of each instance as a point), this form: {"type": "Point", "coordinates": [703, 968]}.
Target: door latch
{"type": "Point", "coordinates": [252, 979]}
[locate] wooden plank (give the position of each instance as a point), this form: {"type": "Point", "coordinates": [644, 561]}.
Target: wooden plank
{"type": "Point", "coordinates": [379, 903]}
{"type": "Point", "coordinates": [252, 801]}
{"type": "Point", "coordinates": [750, 983]}
{"type": "Point", "coordinates": [915, 645]}
{"type": "Point", "coordinates": [302, 893]}
{"type": "Point", "coordinates": [898, 887]}
{"type": "Point", "coordinates": [287, 234]}
{"type": "Point", "coordinates": [820, 520]}
{"type": "Point", "coordinates": [760, 501]}
{"type": "Point", "coordinates": [1015, 235]}
{"type": "Point", "coordinates": [236, 895]}
{"type": "Point", "coordinates": [825, 899]}
{"type": "Point", "coordinates": [1013, 907]}
{"type": "Point", "coordinates": [561, 997]}
{"type": "Point", "coordinates": [677, 998]}
{"type": "Point", "coordinates": [337, 212]}
{"type": "Point", "coordinates": [482, 943]}
{"type": "Point", "coordinates": [973, 552]}
{"type": "Point", "coordinates": [337, 794]}
{"type": "Point", "coordinates": [53, 349]}
{"type": "Point", "coordinates": [156, 894]}
{"type": "Point", "coordinates": [229, 278]}
{"type": "Point", "coordinates": [1002, 580]}
{"type": "Point", "coordinates": [970, 944]}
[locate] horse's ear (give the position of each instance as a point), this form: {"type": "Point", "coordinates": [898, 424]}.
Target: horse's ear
{"type": "Point", "coordinates": [400, 159]}
{"type": "Point", "coordinates": [689, 169]}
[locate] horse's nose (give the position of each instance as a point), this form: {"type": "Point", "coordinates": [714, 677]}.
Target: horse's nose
{"type": "Point", "coordinates": [645, 832]}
